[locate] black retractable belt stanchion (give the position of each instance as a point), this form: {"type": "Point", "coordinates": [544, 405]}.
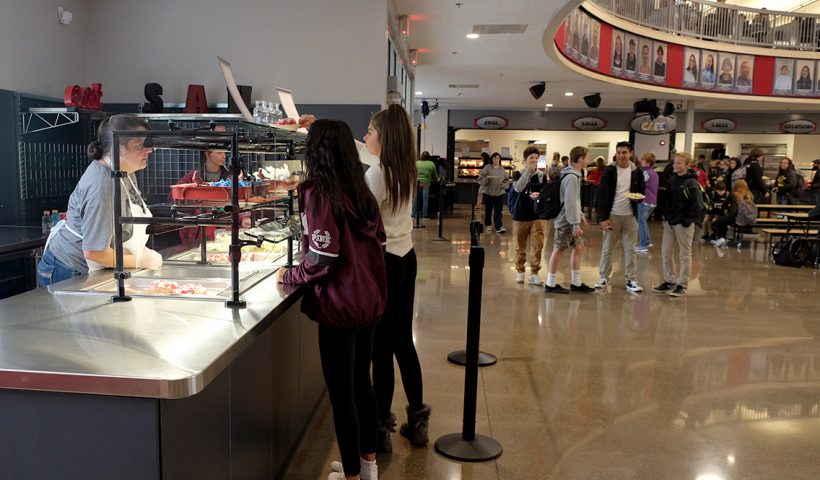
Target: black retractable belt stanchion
{"type": "Point", "coordinates": [467, 446]}
{"type": "Point", "coordinates": [475, 200]}
{"type": "Point", "coordinates": [441, 187]}
{"type": "Point", "coordinates": [459, 357]}
{"type": "Point", "coordinates": [419, 200]}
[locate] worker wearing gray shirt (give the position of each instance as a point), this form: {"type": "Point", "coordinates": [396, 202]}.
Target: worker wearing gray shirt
{"type": "Point", "coordinates": [84, 241]}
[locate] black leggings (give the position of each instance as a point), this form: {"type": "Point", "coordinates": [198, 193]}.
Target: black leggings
{"type": "Point", "coordinates": [720, 225]}
{"type": "Point", "coordinates": [346, 356]}
{"type": "Point", "coordinates": [394, 336]}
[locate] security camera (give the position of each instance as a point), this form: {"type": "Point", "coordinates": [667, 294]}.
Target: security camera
{"type": "Point", "coordinates": [64, 16]}
{"type": "Point", "coordinates": [538, 90]}
{"type": "Point", "coordinates": [593, 101]}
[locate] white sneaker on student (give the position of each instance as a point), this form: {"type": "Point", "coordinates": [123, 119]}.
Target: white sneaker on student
{"type": "Point", "coordinates": [519, 277]}
{"type": "Point", "coordinates": [632, 286]}
{"type": "Point", "coordinates": [534, 280]}
{"type": "Point", "coordinates": [719, 242]}
{"type": "Point", "coordinates": [601, 283]}
{"type": "Point", "coordinates": [337, 467]}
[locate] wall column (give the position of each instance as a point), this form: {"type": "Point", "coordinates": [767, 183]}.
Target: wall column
{"type": "Point", "coordinates": [689, 138]}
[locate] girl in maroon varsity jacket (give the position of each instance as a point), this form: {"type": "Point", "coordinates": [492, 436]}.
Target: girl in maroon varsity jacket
{"type": "Point", "coordinates": [343, 270]}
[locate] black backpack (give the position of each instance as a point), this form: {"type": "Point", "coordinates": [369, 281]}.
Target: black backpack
{"type": "Point", "coordinates": [548, 205]}
{"type": "Point", "coordinates": [791, 252]}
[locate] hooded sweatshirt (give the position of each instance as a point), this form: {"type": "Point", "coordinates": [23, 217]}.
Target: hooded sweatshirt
{"type": "Point", "coordinates": [570, 213]}
{"type": "Point", "coordinates": [684, 199]}
{"type": "Point", "coordinates": [342, 263]}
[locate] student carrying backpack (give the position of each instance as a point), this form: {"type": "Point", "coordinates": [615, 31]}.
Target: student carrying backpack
{"type": "Point", "coordinates": [549, 204]}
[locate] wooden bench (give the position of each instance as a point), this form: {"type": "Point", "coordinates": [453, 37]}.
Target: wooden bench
{"type": "Point", "coordinates": [795, 232]}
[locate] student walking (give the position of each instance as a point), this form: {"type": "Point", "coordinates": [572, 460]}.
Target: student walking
{"type": "Point", "coordinates": [569, 226]}
{"type": "Point", "coordinates": [526, 224]}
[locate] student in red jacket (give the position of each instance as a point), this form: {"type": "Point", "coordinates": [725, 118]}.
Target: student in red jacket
{"type": "Point", "coordinates": [343, 268]}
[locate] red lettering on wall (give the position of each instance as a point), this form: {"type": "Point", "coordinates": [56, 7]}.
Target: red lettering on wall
{"type": "Point", "coordinates": [89, 98]}
{"type": "Point", "coordinates": [195, 102]}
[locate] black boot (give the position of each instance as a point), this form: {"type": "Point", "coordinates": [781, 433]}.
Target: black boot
{"type": "Point", "coordinates": [383, 430]}
{"type": "Point", "coordinates": [416, 427]}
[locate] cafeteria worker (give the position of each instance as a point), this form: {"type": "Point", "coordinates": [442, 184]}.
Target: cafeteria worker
{"type": "Point", "coordinates": [84, 241]}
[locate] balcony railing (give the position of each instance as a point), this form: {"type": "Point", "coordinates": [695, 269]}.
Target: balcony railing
{"type": "Point", "coordinates": [707, 20]}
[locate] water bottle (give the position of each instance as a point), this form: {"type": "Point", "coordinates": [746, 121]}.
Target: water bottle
{"type": "Point", "coordinates": [46, 223]}
{"type": "Point", "coordinates": [268, 112]}
{"type": "Point", "coordinates": [257, 112]}
{"type": "Point", "coordinates": [55, 217]}
{"type": "Point", "coordinates": [277, 114]}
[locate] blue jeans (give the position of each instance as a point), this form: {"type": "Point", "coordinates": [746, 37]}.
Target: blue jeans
{"type": "Point", "coordinates": [644, 212]}
{"type": "Point", "coordinates": [425, 200]}
{"type": "Point", "coordinates": [50, 270]}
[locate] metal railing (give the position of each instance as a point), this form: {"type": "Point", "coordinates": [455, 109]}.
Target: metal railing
{"type": "Point", "coordinates": [708, 20]}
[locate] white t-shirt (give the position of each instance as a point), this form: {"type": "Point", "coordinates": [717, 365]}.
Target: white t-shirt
{"type": "Point", "coordinates": [397, 225]}
{"type": "Point", "coordinates": [621, 205]}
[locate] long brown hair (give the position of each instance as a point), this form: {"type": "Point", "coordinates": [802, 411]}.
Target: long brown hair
{"type": "Point", "coordinates": [398, 154]}
{"type": "Point", "coordinates": [740, 189]}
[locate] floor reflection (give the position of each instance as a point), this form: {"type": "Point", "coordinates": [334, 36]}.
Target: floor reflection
{"type": "Point", "coordinates": [722, 384]}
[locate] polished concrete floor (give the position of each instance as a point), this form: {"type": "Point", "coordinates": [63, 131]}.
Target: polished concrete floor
{"type": "Point", "coordinates": [721, 384]}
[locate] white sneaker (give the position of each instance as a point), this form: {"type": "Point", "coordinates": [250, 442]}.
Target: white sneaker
{"type": "Point", "coordinates": [534, 280]}
{"type": "Point", "coordinates": [336, 476]}
{"type": "Point", "coordinates": [601, 283]}
{"type": "Point", "coordinates": [337, 467]}
{"type": "Point", "coordinates": [642, 249]}
{"type": "Point", "coordinates": [719, 242]}
{"type": "Point", "coordinates": [519, 277]}
{"type": "Point", "coordinates": [632, 286]}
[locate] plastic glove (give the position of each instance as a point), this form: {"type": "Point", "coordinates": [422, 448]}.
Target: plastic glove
{"type": "Point", "coordinates": [149, 259]}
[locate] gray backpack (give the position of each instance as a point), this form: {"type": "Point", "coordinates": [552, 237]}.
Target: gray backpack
{"type": "Point", "coordinates": [746, 214]}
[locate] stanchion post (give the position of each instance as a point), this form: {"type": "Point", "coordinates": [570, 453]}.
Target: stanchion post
{"type": "Point", "coordinates": [467, 446]}
{"type": "Point", "coordinates": [441, 190]}
{"type": "Point", "coordinates": [459, 357]}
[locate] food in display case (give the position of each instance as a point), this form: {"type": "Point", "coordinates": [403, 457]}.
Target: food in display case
{"type": "Point", "coordinates": [173, 288]}
{"type": "Point", "coordinates": [470, 168]}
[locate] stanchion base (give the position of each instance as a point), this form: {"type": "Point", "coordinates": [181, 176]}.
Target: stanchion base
{"type": "Point", "coordinates": [419, 226]}
{"type": "Point", "coordinates": [480, 449]}
{"type": "Point", "coordinates": [440, 239]}
{"type": "Point", "coordinates": [236, 304]}
{"type": "Point", "coordinates": [459, 357]}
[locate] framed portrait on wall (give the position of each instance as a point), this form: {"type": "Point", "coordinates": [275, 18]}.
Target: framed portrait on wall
{"type": "Point", "coordinates": [575, 43]}
{"type": "Point", "coordinates": [584, 37]}
{"type": "Point", "coordinates": [691, 67]}
{"type": "Point", "coordinates": [594, 42]}
{"type": "Point", "coordinates": [708, 69]}
{"type": "Point", "coordinates": [659, 62]}
{"type": "Point", "coordinates": [617, 52]}
{"type": "Point", "coordinates": [744, 73]}
{"type": "Point", "coordinates": [783, 76]}
{"type": "Point", "coordinates": [631, 58]}
{"type": "Point", "coordinates": [644, 59]}
{"type": "Point", "coordinates": [803, 77]}
{"type": "Point", "coordinates": [726, 71]}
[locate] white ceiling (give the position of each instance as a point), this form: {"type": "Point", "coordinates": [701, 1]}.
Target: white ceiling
{"type": "Point", "coordinates": [505, 66]}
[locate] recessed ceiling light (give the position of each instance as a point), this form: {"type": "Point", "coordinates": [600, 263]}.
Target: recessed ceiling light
{"type": "Point", "coordinates": [472, 35]}
{"type": "Point", "coordinates": [548, 105]}
{"type": "Point", "coordinates": [419, 93]}
{"type": "Point", "coordinates": [568, 94]}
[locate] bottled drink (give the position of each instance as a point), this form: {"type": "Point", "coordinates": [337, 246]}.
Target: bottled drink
{"type": "Point", "coordinates": [46, 223]}
{"type": "Point", "coordinates": [257, 112]}
{"type": "Point", "coordinates": [277, 114]}
{"type": "Point", "coordinates": [55, 217]}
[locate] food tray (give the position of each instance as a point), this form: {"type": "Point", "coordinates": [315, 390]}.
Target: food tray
{"type": "Point", "coordinates": [195, 191]}
{"type": "Point", "coordinates": [141, 286]}
{"type": "Point", "coordinates": [290, 128]}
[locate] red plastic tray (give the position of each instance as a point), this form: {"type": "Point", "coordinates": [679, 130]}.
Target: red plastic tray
{"type": "Point", "coordinates": [193, 191]}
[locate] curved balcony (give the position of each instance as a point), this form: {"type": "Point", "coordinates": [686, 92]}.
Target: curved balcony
{"type": "Point", "coordinates": [707, 20]}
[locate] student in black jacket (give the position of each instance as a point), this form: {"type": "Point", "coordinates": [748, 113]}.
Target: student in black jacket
{"type": "Point", "coordinates": [684, 205]}
{"type": "Point", "coordinates": [754, 174]}
{"type": "Point", "coordinates": [617, 214]}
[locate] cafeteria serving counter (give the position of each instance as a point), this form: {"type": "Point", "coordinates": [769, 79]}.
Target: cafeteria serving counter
{"type": "Point", "coordinates": [154, 388]}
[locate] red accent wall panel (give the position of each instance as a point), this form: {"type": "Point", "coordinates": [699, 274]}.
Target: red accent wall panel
{"type": "Point", "coordinates": [763, 75]}
{"type": "Point", "coordinates": [674, 65]}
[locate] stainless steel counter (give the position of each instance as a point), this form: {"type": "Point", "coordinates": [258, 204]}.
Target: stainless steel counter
{"type": "Point", "coordinates": [148, 347]}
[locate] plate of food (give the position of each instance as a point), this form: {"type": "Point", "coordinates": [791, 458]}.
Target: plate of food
{"type": "Point", "coordinates": [287, 124]}
{"type": "Point", "coordinates": [635, 196]}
